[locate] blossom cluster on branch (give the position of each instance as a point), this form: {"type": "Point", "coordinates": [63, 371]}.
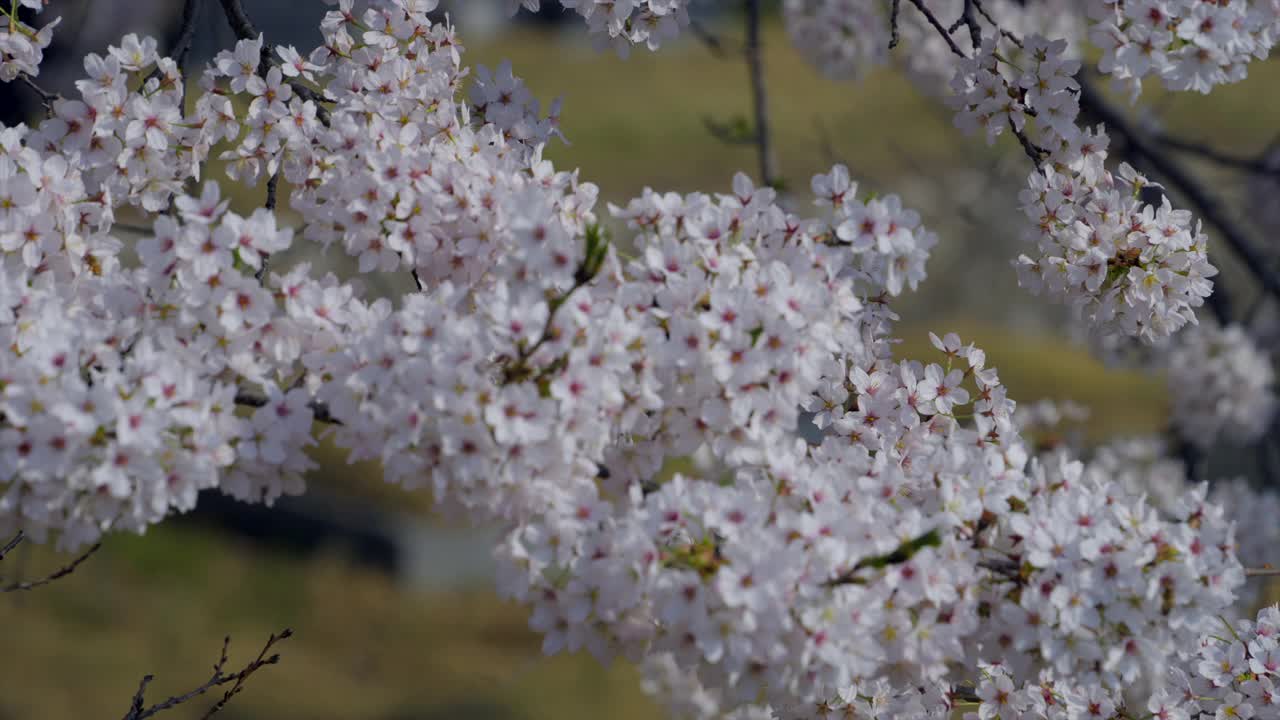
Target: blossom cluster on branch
{"type": "Point", "coordinates": [544, 371]}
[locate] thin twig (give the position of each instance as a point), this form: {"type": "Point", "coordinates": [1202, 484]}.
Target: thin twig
{"type": "Point", "coordinates": [968, 18]}
{"type": "Point", "coordinates": [760, 102]}
{"type": "Point", "coordinates": [1033, 151]}
{"type": "Point", "coordinates": [894, 7]}
{"type": "Point", "coordinates": [138, 711]}
{"type": "Point", "coordinates": [1008, 35]}
{"type": "Point", "coordinates": [9, 546]}
{"type": "Point", "coordinates": [937, 25]}
{"type": "Point", "coordinates": [1258, 166]}
{"type": "Point", "coordinates": [1262, 572]}
{"type": "Point", "coordinates": [1178, 178]}
{"type": "Point", "coordinates": [46, 98]}
{"type": "Point", "coordinates": [57, 574]}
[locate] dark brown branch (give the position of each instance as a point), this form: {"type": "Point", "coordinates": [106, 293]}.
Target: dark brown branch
{"type": "Point", "coordinates": [1258, 166]}
{"type": "Point", "coordinates": [139, 711]}
{"type": "Point", "coordinates": [967, 18]}
{"type": "Point", "coordinates": [1209, 208]}
{"type": "Point", "coordinates": [13, 543]}
{"type": "Point", "coordinates": [760, 101]}
{"type": "Point", "coordinates": [46, 98]}
{"type": "Point", "coordinates": [187, 33]}
{"type": "Point", "coordinates": [937, 25]}
{"type": "Point", "coordinates": [272, 183]}
{"type": "Point", "coordinates": [1005, 33]}
{"type": "Point", "coordinates": [1033, 151]}
{"type": "Point", "coordinates": [57, 574]}
{"type": "Point", "coordinates": [894, 7]}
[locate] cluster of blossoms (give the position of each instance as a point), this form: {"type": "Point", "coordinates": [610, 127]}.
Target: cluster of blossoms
{"type": "Point", "coordinates": [1232, 676]}
{"type": "Point", "coordinates": [1221, 384]}
{"type": "Point", "coordinates": [1126, 266]}
{"type": "Point", "coordinates": [846, 39]}
{"type": "Point", "coordinates": [540, 376]}
{"type": "Point", "coordinates": [117, 404]}
{"type": "Point", "coordinates": [1188, 45]}
{"type": "Point", "coordinates": [1144, 466]}
{"type": "Point", "coordinates": [622, 23]}
{"type": "Point", "coordinates": [22, 46]}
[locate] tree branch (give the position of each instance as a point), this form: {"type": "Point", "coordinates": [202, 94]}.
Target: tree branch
{"type": "Point", "coordinates": [1178, 178]}
{"type": "Point", "coordinates": [760, 102]}
{"type": "Point", "coordinates": [138, 711]}
{"type": "Point", "coordinates": [968, 18]}
{"type": "Point", "coordinates": [1258, 166]}
{"type": "Point", "coordinates": [937, 25]}
{"type": "Point", "coordinates": [895, 6]}
{"type": "Point", "coordinates": [57, 574]}
{"type": "Point", "coordinates": [46, 98]}
{"type": "Point", "coordinates": [9, 546]}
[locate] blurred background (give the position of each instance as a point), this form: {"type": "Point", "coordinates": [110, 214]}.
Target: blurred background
{"type": "Point", "coordinates": [391, 605]}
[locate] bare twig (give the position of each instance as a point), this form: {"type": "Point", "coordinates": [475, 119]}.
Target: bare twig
{"type": "Point", "coordinates": [139, 711]}
{"type": "Point", "coordinates": [1033, 151]}
{"type": "Point", "coordinates": [57, 574]}
{"type": "Point", "coordinates": [273, 183]}
{"type": "Point", "coordinates": [1262, 572]}
{"type": "Point", "coordinates": [969, 19]}
{"type": "Point", "coordinates": [1258, 166]}
{"type": "Point", "coordinates": [937, 25]}
{"type": "Point", "coordinates": [46, 98]}
{"type": "Point", "coordinates": [13, 543]}
{"type": "Point", "coordinates": [760, 101]}
{"type": "Point", "coordinates": [1008, 35]}
{"type": "Point", "coordinates": [1178, 178]}
{"type": "Point", "coordinates": [894, 7]}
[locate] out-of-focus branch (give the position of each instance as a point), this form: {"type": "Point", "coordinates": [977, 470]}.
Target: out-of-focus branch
{"type": "Point", "coordinates": [185, 36]}
{"type": "Point", "coordinates": [1210, 210]}
{"type": "Point", "coordinates": [55, 575]}
{"type": "Point", "coordinates": [13, 543]}
{"type": "Point", "coordinates": [708, 38]}
{"type": "Point", "coordinates": [760, 101]}
{"type": "Point", "coordinates": [139, 711]}
{"type": "Point", "coordinates": [895, 6]}
{"type": "Point", "coordinates": [1256, 165]}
